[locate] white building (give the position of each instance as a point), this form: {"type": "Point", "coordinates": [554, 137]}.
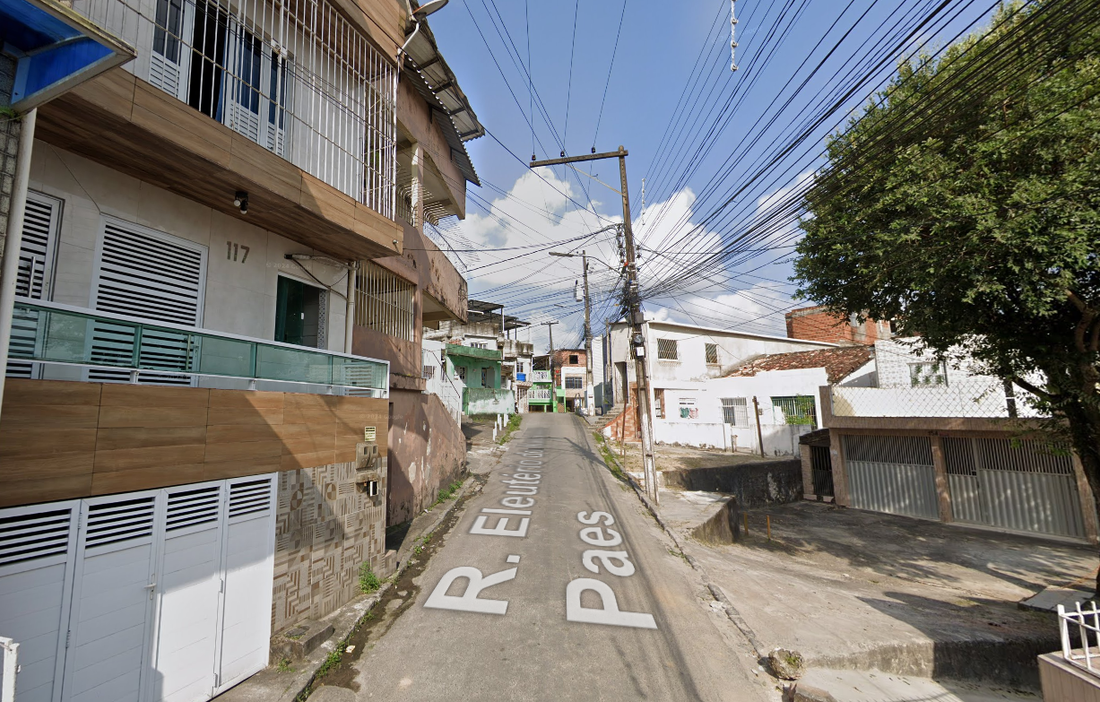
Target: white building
{"type": "Point", "coordinates": [684, 362]}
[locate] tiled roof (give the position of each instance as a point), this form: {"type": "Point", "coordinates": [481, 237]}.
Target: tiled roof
{"type": "Point", "coordinates": [838, 363]}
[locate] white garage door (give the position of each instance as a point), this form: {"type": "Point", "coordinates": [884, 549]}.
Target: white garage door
{"type": "Point", "coordinates": [158, 595]}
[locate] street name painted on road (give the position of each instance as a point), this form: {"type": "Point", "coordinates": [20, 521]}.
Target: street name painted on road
{"type": "Point", "coordinates": [513, 520]}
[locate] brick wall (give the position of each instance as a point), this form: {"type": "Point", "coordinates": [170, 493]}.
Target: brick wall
{"type": "Point", "coordinates": [625, 426]}
{"type": "Point", "coordinates": [816, 324]}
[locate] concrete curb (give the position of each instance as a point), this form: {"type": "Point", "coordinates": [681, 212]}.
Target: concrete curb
{"type": "Point", "coordinates": [344, 621]}
{"type": "Point", "coordinates": [715, 591]}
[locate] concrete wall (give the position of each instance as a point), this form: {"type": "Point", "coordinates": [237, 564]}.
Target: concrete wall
{"type": "Point", "coordinates": [240, 295]}
{"type": "Point", "coordinates": [489, 401]}
{"type": "Point", "coordinates": [1065, 682]}
{"type": "Point", "coordinates": [324, 530]}
{"type": "Point", "coordinates": [752, 484]}
{"type": "Point", "coordinates": [427, 452]}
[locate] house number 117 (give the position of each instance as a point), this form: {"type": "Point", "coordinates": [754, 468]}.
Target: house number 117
{"type": "Point", "coordinates": [232, 250]}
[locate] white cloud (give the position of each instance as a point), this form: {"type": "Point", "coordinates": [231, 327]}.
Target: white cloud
{"type": "Point", "coordinates": [538, 287]}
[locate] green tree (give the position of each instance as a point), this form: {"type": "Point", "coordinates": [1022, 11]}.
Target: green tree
{"type": "Point", "coordinates": [964, 203]}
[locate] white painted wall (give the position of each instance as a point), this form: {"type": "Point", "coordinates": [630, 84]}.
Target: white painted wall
{"type": "Point", "coordinates": [240, 297]}
{"type": "Point", "coordinates": [709, 428]}
{"type": "Point", "coordinates": [733, 350]}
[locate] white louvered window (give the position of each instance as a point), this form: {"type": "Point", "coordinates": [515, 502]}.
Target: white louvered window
{"type": "Point", "coordinates": [154, 277]}
{"type": "Point", "coordinates": [36, 253]}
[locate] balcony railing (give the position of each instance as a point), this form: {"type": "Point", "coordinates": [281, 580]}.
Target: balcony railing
{"type": "Point", "coordinates": [539, 395]}
{"type": "Point", "coordinates": [539, 376]}
{"type": "Point", "coordinates": [112, 348]}
{"type": "Point", "coordinates": [293, 76]}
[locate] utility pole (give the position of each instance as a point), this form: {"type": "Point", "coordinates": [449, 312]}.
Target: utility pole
{"type": "Point", "coordinates": [645, 420]}
{"type": "Point", "coordinates": [587, 331]}
{"type": "Point", "coordinates": [553, 393]}
{"type": "Point", "coordinates": [589, 391]}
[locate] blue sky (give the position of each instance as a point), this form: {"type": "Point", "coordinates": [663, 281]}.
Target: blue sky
{"type": "Point", "coordinates": [723, 155]}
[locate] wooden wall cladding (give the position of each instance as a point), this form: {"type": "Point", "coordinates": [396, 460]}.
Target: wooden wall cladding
{"type": "Point", "coordinates": [62, 440]}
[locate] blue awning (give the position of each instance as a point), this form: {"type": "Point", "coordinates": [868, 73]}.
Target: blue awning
{"type": "Point", "coordinates": [56, 49]}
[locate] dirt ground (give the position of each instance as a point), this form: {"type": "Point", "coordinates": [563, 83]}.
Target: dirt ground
{"type": "Point", "coordinates": [682, 457]}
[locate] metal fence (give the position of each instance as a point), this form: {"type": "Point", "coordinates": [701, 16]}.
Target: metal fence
{"type": "Point", "coordinates": [1087, 624]}
{"type": "Point", "coordinates": [293, 76]}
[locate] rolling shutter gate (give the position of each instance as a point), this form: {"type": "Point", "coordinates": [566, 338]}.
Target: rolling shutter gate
{"type": "Point", "coordinates": [157, 595]}
{"type": "Point", "coordinates": [892, 474]}
{"type": "Point", "coordinates": [1023, 487]}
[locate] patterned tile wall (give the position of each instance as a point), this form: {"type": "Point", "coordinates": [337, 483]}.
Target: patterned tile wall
{"type": "Point", "coordinates": [324, 530]}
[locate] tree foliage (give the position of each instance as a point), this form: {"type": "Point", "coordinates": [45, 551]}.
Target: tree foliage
{"type": "Point", "coordinates": [964, 204]}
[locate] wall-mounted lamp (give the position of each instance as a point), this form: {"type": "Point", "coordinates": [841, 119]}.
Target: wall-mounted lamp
{"type": "Point", "coordinates": [241, 200]}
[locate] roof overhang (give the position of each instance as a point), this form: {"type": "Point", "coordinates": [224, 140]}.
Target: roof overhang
{"type": "Point", "coordinates": [55, 48]}
{"type": "Point", "coordinates": [456, 118]}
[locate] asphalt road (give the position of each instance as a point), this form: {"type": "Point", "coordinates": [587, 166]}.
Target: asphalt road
{"type": "Point", "coordinates": [523, 618]}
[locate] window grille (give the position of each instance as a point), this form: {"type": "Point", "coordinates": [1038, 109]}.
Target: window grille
{"type": "Point", "coordinates": [479, 344]}
{"type": "Point", "coordinates": [384, 302]}
{"type": "Point", "coordinates": [428, 372]}
{"type": "Point", "coordinates": [712, 354]}
{"type": "Point", "coordinates": [574, 382]}
{"type": "Point", "coordinates": [667, 350]}
{"type": "Point", "coordinates": [460, 373]}
{"type": "Point", "coordinates": [294, 76]}
{"type": "Point", "coordinates": [927, 374]}
{"type": "Point", "coordinates": [485, 378]}
{"type": "Point", "coordinates": [799, 409]}
{"type": "Point", "coordinates": [735, 411]}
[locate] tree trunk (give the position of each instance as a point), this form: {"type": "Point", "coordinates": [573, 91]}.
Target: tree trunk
{"type": "Point", "coordinates": [1084, 430]}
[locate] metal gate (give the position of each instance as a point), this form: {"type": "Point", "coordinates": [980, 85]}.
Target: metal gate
{"type": "Point", "coordinates": [892, 474]}
{"type": "Point", "coordinates": [153, 595]}
{"type": "Point", "coordinates": [1019, 485]}
{"type": "Point", "coordinates": [821, 464]}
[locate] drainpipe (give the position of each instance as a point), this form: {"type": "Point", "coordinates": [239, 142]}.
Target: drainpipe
{"type": "Point", "coordinates": [349, 322]}
{"type": "Point", "coordinates": [14, 241]}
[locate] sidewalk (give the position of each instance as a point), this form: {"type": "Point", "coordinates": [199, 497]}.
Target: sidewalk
{"type": "Point", "coordinates": [860, 590]}
{"type": "Point", "coordinates": [286, 682]}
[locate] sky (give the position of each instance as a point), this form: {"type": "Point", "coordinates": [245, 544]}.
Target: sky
{"type": "Point", "coordinates": [724, 154]}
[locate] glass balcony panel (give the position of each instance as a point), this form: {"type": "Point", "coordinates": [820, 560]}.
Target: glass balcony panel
{"type": "Point", "coordinates": [220, 356]}
{"type": "Point", "coordinates": [49, 333]}
{"type": "Point", "coordinates": [301, 366]}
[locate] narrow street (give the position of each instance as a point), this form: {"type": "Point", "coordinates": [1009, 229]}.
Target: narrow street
{"type": "Point", "coordinates": [523, 618]}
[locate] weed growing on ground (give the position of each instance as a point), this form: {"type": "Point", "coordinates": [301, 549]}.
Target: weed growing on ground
{"type": "Point", "coordinates": [609, 457]}
{"type": "Point", "coordinates": [331, 662]}
{"type": "Point", "coordinates": [284, 666]}
{"type": "Point", "coordinates": [509, 428]}
{"type": "Point", "coordinates": [447, 494]}
{"type": "Point", "coordinates": [368, 581]}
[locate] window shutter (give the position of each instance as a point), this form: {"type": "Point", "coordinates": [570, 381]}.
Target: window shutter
{"type": "Point", "coordinates": [153, 277]}
{"type": "Point", "coordinates": [40, 226]}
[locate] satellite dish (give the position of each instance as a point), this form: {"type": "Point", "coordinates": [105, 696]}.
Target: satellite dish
{"type": "Point", "coordinates": [428, 8]}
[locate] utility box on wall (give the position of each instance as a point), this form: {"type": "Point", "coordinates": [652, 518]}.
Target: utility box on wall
{"type": "Point", "coordinates": [368, 477]}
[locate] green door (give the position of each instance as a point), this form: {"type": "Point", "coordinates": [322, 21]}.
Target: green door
{"type": "Point", "coordinates": [297, 313]}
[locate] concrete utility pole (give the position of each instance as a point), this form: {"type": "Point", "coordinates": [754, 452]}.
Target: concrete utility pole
{"type": "Point", "coordinates": [637, 320]}
{"type": "Point", "coordinates": [553, 403]}
{"type": "Point", "coordinates": [587, 331]}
